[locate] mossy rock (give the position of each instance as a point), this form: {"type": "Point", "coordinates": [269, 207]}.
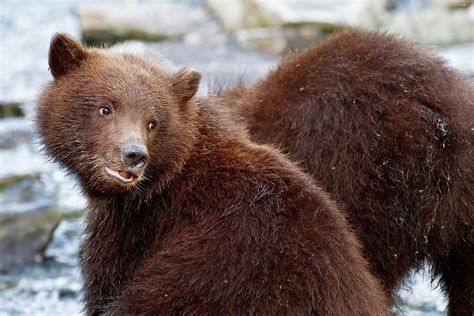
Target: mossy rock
{"type": "Point", "coordinates": [459, 4]}
{"type": "Point", "coordinates": [97, 37]}
{"type": "Point", "coordinates": [11, 180]}
{"type": "Point", "coordinates": [4, 285]}
{"type": "Point", "coordinates": [11, 110]}
{"type": "Point", "coordinates": [72, 214]}
{"type": "Point", "coordinates": [24, 236]}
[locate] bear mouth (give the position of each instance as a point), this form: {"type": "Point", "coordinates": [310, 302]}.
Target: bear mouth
{"type": "Point", "coordinates": [122, 176]}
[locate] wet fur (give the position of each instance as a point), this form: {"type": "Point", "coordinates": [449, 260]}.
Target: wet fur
{"type": "Point", "coordinates": [387, 129]}
{"type": "Point", "coordinates": [218, 225]}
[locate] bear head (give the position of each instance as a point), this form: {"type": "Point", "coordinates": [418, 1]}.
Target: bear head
{"type": "Point", "coordinates": [116, 120]}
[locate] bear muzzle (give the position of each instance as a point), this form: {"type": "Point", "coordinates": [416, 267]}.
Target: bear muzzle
{"type": "Point", "coordinates": [135, 156]}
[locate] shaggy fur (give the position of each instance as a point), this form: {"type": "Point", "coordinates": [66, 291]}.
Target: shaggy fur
{"type": "Point", "coordinates": [387, 129]}
{"type": "Point", "coordinates": [213, 224]}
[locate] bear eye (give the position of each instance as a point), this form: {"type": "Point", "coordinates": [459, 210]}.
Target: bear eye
{"type": "Point", "coordinates": [151, 125]}
{"type": "Point", "coordinates": [105, 110]}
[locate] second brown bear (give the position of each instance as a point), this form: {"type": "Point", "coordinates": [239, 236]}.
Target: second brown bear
{"type": "Point", "coordinates": [387, 129]}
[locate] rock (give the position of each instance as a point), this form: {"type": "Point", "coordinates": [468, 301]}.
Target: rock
{"type": "Point", "coordinates": [459, 4]}
{"type": "Point", "coordinates": [64, 248]}
{"type": "Point", "coordinates": [36, 190]}
{"type": "Point", "coordinates": [12, 109]}
{"type": "Point", "coordinates": [329, 14]}
{"type": "Point", "coordinates": [16, 179]}
{"type": "Point", "coordinates": [279, 40]}
{"type": "Point", "coordinates": [282, 25]}
{"type": "Point", "coordinates": [109, 23]}
{"type": "Point", "coordinates": [407, 4]}
{"type": "Point", "coordinates": [271, 40]}
{"type": "Point", "coordinates": [72, 214]}
{"type": "Point", "coordinates": [4, 285]}
{"type": "Point", "coordinates": [25, 235]}
{"type": "Point", "coordinates": [274, 25]}
{"type": "Point", "coordinates": [436, 25]}
{"type": "Point", "coordinates": [221, 61]}
{"type": "Point", "coordinates": [23, 192]}
{"type": "Point", "coordinates": [237, 14]}
{"type": "Point", "coordinates": [68, 293]}
{"type": "Point", "coordinates": [52, 287]}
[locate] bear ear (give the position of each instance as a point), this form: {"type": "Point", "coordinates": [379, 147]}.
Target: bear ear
{"type": "Point", "coordinates": [65, 54]}
{"type": "Point", "coordinates": [186, 83]}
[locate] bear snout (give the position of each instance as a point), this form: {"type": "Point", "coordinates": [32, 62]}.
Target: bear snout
{"type": "Point", "coordinates": [135, 156]}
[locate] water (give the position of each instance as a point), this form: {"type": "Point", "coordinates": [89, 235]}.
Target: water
{"type": "Point", "coordinates": [26, 27]}
{"type": "Point", "coordinates": [52, 287]}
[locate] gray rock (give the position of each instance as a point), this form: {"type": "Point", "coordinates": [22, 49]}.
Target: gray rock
{"type": "Point", "coordinates": [25, 235]}
{"type": "Point", "coordinates": [237, 14]}
{"type": "Point", "coordinates": [221, 61]}
{"type": "Point", "coordinates": [110, 23]}
{"type": "Point", "coordinates": [436, 25]}
{"type": "Point", "coordinates": [279, 40]}
{"type": "Point", "coordinates": [337, 13]}
{"type": "Point", "coordinates": [285, 25]}
{"type": "Point", "coordinates": [267, 25]}
{"type": "Point", "coordinates": [23, 192]}
{"type": "Point", "coordinates": [52, 287]}
{"type": "Point", "coordinates": [8, 181]}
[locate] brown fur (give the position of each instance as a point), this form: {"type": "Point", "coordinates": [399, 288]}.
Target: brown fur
{"type": "Point", "coordinates": [387, 129]}
{"type": "Point", "coordinates": [214, 224]}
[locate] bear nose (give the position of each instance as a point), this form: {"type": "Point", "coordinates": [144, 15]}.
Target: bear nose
{"type": "Point", "coordinates": [134, 155]}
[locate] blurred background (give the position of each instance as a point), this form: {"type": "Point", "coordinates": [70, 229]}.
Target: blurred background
{"type": "Point", "coordinates": [41, 207]}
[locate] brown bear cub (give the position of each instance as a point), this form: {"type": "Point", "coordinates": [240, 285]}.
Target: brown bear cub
{"type": "Point", "coordinates": [185, 215]}
{"type": "Point", "coordinates": [387, 130]}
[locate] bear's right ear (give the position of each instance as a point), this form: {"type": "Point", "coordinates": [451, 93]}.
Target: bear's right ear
{"type": "Point", "coordinates": [65, 54]}
{"type": "Point", "coordinates": [186, 83]}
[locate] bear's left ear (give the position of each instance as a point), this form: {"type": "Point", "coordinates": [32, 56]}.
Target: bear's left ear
{"type": "Point", "coordinates": [65, 54]}
{"type": "Point", "coordinates": [186, 83]}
